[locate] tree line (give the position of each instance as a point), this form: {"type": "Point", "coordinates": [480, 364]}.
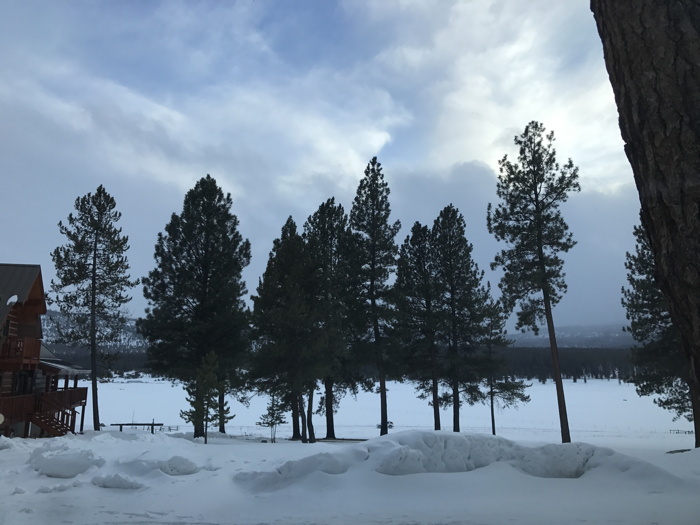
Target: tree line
{"type": "Point", "coordinates": [340, 306]}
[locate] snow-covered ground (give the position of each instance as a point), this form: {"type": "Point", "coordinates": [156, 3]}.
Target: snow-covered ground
{"type": "Point", "coordinates": [617, 471]}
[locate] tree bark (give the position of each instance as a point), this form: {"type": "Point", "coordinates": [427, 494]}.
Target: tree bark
{"type": "Point", "coordinates": [651, 50]}
{"type": "Point", "coordinates": [309, 416]}
{"type": "Point", "coordinates": [556, 370]}
{"type": "Point", "coordinates": [296, 430]}
{"type": "Point", "coordinates": [455, 405]}
{"type": "Point", "coordinates": [222, 411]}
{"type": "Point", "coordinates": [302, 416]}
{"type": "Point", "coordinates": [330, 421]}
{"type": "Point", "coordinates": [436, 400]}
{"type": "Point", "coordinates": [493, 402]}
{"type": "Point", "coordinates": [93, 337]}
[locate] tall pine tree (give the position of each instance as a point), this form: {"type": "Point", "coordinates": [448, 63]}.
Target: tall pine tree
{"type": "Point", "coordinates": [377, 253]}
{"type": "Point", "coordinates": [329, 243]}
{"type": "Point", "coordinates": [284, 318]}
{"type": "Point", "coordinates": [195, 293]}
{"type": "Point", "coordinates": [417, 298]}
{"type": "Point", "coordinates": [461, 309]}
{"type": "Point", "coordinates": [529, 221]}
{"type": "Point", "coordinates": [92, 279]}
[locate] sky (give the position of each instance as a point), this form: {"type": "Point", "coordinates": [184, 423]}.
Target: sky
{"type": "Point", "coordinates": [284, 103]}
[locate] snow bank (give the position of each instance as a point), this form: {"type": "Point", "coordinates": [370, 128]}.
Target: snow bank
{"type": "Point", "coordinates": [58, 461]}
{"type": "Point", "coordinates": [421, 452]}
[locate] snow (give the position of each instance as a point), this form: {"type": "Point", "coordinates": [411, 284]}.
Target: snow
{"type": "Point", "coordinates": [618, 470]}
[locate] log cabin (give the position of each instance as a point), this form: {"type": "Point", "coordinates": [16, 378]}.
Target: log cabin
{"type": "Point", "coordinates": [39, 394]}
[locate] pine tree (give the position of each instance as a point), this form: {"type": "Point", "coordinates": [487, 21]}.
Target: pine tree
{"type": "Point", "coordinates": [284, 318]}
{"type": "Point", "coordinates": [203, 397]}
{"type": "Point", "coordinates": [529, 221]}
{"type": "Point", "coordinates": [92, 280]}
{"type": "Point", "coordinates": [195, 293]}
{"type": "Point", "coordinates": [662, 367]}
{"type": "Point", "coordinates": [500, 389]}
{"type": "Point", "coordinates": [461, 306]}
{"type": "Point", "coordinates": [417, 298]}
{"type": "Point", "coordinates": [274, 416]}
{"type": "Point", "coordinates": [376, 253]}
{"type": "Point", "coordinates": [329, 243]}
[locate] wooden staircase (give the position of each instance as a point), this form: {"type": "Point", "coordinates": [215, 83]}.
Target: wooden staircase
{"type": "Point", "coordinates": [52, 425]}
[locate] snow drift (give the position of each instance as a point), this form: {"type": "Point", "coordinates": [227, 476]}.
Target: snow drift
{"type": "Point", "coordinates": [422, 452]}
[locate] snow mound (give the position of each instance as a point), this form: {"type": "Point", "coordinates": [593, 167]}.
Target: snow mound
{"type": "Point", "coordinates": [178, 466]}
{"type": "Point", "coordinates": [61, 462]}
{"type": "Point", "coordinates": [5, 443]}
{"type": "Point", "coordinates": [422, 452]}
{"type": "Point", "coordinates": [116, 481]}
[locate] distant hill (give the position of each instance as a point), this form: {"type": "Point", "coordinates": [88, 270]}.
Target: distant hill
{"type": "Point", "coordinates": [592, 336]}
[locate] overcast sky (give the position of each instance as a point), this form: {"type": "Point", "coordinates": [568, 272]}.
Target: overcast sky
{"type": "Point", "coordinates": [285, 102]}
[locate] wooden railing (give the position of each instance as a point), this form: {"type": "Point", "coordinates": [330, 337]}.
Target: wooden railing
{"type": "Point", "coordinates": [67, 398]}
{"type": "Point", "coordinates": [21, 408]}
{"type": "Point", "coordinates": [17, 352]}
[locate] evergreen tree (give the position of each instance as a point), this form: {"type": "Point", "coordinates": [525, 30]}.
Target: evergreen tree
{"type": "Point", "coordinates": [461, 309]}
{"type": "Point", "coordinates": [92, 280]}
{"type": "Point", "coordinates": [417, 298]}
{"type": "Point", "coordinates": [329, 239]}
{"type": "Point", "coordinates": [662, 366]}
{"type": "Point", "coordinates": [500, 389]}
{"type": "Point", "coordinates": [195, 294]}
{"type": "Point", "coordinates": [376, 254]}
{"type": "Point", "coordinates": [529, 221]}
{"type": "Point", "coordinates": [274, 416]}
{"type": "Point", "coordinates": [286, 357]}
{"type": "Point", "coordinates": [203, 397]}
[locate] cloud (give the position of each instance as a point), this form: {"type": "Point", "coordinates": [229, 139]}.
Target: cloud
{"type": "Point", "coordinates": [284, 104]}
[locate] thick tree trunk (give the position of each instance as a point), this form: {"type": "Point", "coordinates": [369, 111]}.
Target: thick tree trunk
{"type": "Point", "coordinates": [330, 421]}
{"type": "Point", "coordinates": [695, 404]}
{"type": "Point", "coordinates": [556, 370]}
{"type": "Point", "coordinates": [651, 50]}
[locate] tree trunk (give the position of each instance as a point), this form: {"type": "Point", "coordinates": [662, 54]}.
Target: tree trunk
{"type": "Point", "coordinates": [651, 50]}
{"type": "Point", "coordinates": [455, 406]}
{"type": "Point", "coordinates": [556, 370]}
{"type": "Point", "coordinates": [222, 411]}
{"type": "Point", "coordinates": [198, 417]}
{"type": "Point", "coordinates": [296, 430]}
{"type": "Point", "coordinates": [493, 412]}
{"type": "Point", "coordinates": [330, 421]}
{"type": "Point", "coordinates": [309, 416]}
{"type": "Point", "coordinates": [93, 338]}
{"type": "Point", "coordinates": [302, 416]}
{"type": "Point", "coordinates": [384, 425]}
{"type": "Point", "coordinates": [695, 405]}
{"type": "Point", "coordinates": [436, 401]}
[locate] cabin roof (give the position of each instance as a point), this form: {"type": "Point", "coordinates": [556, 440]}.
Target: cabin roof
{"type": "Point", "coordinates": [22, 280]}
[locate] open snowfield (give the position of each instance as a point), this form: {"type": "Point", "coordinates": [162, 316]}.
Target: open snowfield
{"type": "Point", "coordinates": [617, 471]}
